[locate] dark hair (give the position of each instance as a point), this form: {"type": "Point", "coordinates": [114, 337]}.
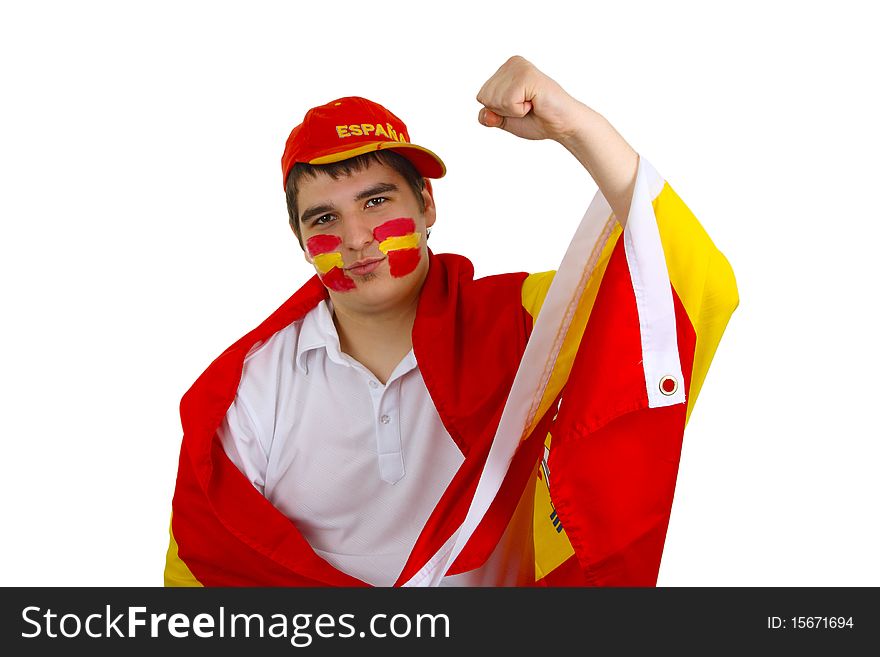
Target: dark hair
{"type": "Point", "coordinates": [336, 170]}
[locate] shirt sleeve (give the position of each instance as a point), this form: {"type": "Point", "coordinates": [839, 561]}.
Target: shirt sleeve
{"type": "Point", "coordinates": [241, 440]}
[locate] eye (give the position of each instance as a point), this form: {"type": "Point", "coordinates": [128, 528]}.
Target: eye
{"type": "Point", "coordinates": [323, 219]}
{"type": "Point", "coordinates": [373, 202]}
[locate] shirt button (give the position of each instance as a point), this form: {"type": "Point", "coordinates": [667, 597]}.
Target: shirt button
{"type": "Point", "coordinates": [384, 419]}
{"type": "Point", "coordinates": [373, 384]}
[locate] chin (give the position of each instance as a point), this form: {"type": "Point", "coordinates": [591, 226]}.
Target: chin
{"type": "Point", "coordinates": [377, 292]}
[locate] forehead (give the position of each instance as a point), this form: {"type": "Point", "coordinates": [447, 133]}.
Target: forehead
{"type": "Point", "coordinates": [323, 188]}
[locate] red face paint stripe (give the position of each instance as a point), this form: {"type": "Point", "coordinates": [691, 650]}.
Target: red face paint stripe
{"type": "Point", "coordinates": [394, 228]}
{"type": "Point", "coordinates": [319, 244]}
{"type": "Point", "coordinates": [403, 261]}
{"type": "Point", "coordinates": [336, 280]}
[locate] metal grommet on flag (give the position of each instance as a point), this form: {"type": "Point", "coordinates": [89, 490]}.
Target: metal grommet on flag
{"type": "Point", "coordinates": [668, 385]}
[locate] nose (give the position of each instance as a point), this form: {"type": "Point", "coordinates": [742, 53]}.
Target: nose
{"type": "Point", "coordinates": [357, 233]}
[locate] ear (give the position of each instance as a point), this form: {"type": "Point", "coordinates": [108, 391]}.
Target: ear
{"type": "Point", "coordinates": [430, 207]}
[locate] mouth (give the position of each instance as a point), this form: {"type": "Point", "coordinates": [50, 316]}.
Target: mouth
{"type": "Point", "coordinates": [364, 267]}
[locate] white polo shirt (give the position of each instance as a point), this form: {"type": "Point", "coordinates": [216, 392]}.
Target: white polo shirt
{"type": "Point", "coordinates": [357, 465]}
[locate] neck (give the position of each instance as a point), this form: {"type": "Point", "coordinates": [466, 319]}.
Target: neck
{"type": "Point", "coordinates": [378, 340]}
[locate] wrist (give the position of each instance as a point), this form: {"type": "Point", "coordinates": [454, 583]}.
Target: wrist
{"type": "Point", "coordinates": [582, 126]}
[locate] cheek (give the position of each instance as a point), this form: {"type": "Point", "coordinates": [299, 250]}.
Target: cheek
{"type": "Point", "coordinates": [328, 262]}
{"type": "Point", "coordinates": [403, 261]}
{"type": "Point", "coordinates": [394, 228]}
{"type": "Point", "coordinates": [318, 244]}
{"type": "Point", "coordinates": [399, 241]}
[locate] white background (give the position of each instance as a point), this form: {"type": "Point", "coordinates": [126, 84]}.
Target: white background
{"type": "Point", "coordinates": [144, 230]}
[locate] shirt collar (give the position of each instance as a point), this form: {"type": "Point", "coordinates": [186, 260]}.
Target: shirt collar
{"type": "Point", "coordinates": [317, 331]}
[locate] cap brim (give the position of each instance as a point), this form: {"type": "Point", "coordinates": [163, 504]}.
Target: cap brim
{"type": "Point", "coordinates": [426, 162]}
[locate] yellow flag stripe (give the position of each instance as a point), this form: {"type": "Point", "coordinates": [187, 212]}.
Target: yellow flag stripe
{"type": "Point", "coordinates": [701, 276]}
{"type": "Point", "coordinates": [552, 547]}
{"type": "Point", "coordinates": [177, 573]}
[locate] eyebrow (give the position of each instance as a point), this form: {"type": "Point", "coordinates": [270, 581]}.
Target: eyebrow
{"type": "Point", "coordinates": [315, 211]}
{"type": "Point", "coordinates": [324, 208]}
{"type": "Point", "coordinates": [378, 188]}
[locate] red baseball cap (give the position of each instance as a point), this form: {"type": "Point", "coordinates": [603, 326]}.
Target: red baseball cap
{"type": "Point", "coordinates": [351, 126]}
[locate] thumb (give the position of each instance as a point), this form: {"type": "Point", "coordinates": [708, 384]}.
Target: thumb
{"type": "Point", "coordinates": [493, 119]}
{"type": "Point", "coordinates": [521, 126]}
{"type": "Point", "coordinates": [490, 119]}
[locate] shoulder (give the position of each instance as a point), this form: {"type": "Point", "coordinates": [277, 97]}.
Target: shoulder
{"type": "Point", "coordinates": [269, 351]}
{"type": "Point", "coordinates": [269, 364]}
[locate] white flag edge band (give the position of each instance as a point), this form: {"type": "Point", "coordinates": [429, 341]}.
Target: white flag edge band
{"type": "Point", "coordinates": [653, 294]}
{"type": "Point", "coordinates": [653, 291]}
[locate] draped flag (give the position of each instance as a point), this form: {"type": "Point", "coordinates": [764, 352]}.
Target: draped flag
{"type": "Point", "coordinates": [578, 409]}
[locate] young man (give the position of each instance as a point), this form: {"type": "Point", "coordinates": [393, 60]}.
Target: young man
{"type": "Point", "coordinates": [396, 422]}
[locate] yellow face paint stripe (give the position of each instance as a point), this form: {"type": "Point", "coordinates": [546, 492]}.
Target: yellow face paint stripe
{"type": "Point", "coordinates": [327, 261]}
{"type": "Point", "coordinates": [410, 241]}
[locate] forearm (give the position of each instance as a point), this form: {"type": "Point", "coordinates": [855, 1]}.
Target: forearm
{"type": "Point", "coordinates": [606, 155]}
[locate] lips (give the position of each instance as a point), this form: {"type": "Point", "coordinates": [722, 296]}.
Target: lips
{"type": "Point", "coordinates": [364, 267]}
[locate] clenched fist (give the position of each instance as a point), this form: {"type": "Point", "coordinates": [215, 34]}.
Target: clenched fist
{"type": "Point", "coordinates": [524, 101]}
